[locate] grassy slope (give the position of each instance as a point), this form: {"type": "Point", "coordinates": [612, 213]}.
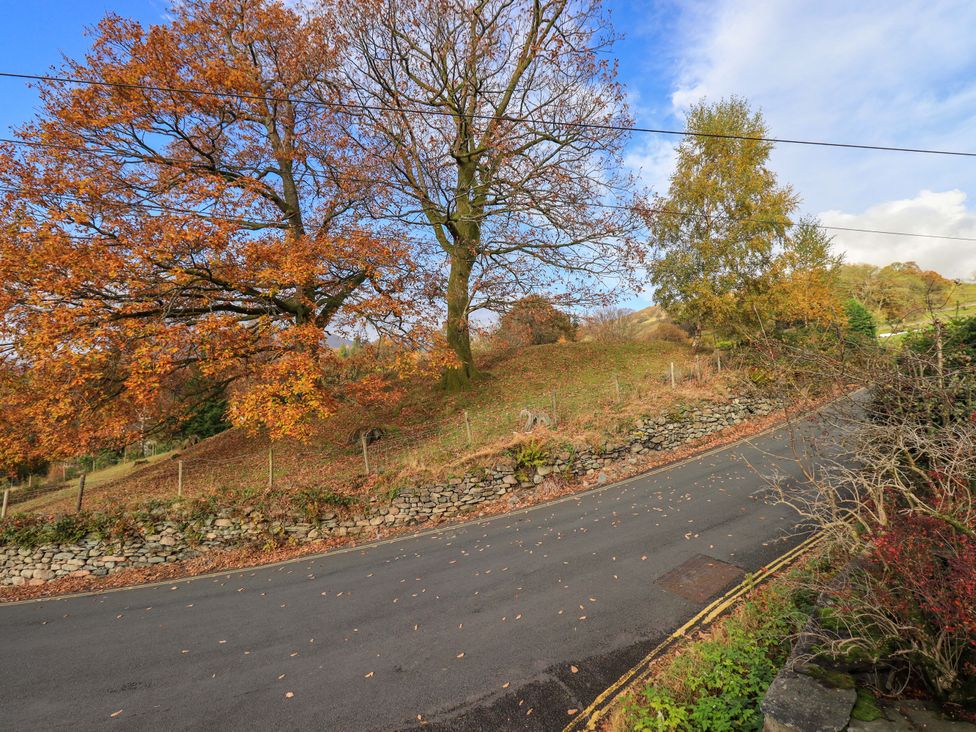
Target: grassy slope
{"type": "Point", "coordinates": [425, 432]}
{"type": "Point", "coordinates": [94, 480]}
{"type": "Point", "coordinates": [647, 319]}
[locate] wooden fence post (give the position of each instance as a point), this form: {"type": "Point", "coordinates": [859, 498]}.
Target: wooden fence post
{"type": "Point", "coordinates": [3, 507]}
{"type": "Point", "coordinates": [270, 467]}
{"type": "Point", "coordinates": [555, 420]}
{"type": "Point", "coordinates": [672, 374]}
{"type": "Point", "coordinates": [179, 479]}
{"type": "Point", "coordinates": [467, 427]}
{"type": "Point", "coordinates": [362, 440]}
{"type": "Point", "coordinates": [81, 491]}
{"type": "Point", "coordinates": [719, 356]}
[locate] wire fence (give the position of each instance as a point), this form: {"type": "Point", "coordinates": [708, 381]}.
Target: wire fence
{"type": "Point", "coordinates": [373, 451]}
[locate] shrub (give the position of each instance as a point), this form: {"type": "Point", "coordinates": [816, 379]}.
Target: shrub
{"type": "Point", "coordinates": [670, 332]}
{"type": "Point", "coordinates": [931, 385]}
{"type": "Point", "coordinates": [25, 530]}
{"type": "Point", "coordinates": [611, 325]}
{"type": "Point", "coordinates": [760, 376]}
{"type": "Point", "coordinates": [534, 320]}
{"type": "Point", "coordinates": [717, 683]}
{"type": "Point", "coordinates": [912, 604]}
{"type": "Point", "coordinates": [906, 512]}
{"type": "Point", "coordinates": [860, 322]}
{"type": "Point", "coordinates": [529, 455]}
{"type": "Point", "coordinates": [314, 503]}
{"type": "Point", "coordinates": [31, 530]}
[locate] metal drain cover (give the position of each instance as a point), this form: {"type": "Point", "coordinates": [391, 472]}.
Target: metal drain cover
{"type": "Point", "coordinates": [700, 578]}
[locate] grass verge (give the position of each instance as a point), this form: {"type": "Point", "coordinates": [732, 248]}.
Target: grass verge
{"type": "Point", "coordinates": [717, 680]}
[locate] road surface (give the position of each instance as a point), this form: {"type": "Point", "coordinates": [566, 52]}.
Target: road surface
{"type": "Point", "coordinates": [505, 623]}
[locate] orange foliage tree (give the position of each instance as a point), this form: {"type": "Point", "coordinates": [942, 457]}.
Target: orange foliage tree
{"type": "Point", "coordinates": [181, 213]}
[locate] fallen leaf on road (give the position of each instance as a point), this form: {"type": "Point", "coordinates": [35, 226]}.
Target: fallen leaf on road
{"type": "Point", "coordinates": [289, 694]}
{"type": "Point", "coordinates": [506, 685]}
{"type": "Point", "coordinates": [573, 669]}
{"type": "Point", "coordinates": [461, 654]}
{"type": "Point", "coordinates": [115, 714]}
{"type": "Point", "coordinates": [369, 675]}
{"type": "Point", "coordinates": [571, 711]}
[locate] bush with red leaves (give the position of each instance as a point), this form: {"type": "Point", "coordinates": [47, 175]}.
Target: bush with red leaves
{"type": "Point", "coordinates": [931, 569]}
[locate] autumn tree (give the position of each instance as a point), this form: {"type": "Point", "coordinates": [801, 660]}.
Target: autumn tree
{"type": "Point", "coordinates": [500, 125]}
{"type": "Point", "coordinates": [192, 210]}
{"type": "Point", "coordinates": [730, 255]}
{"type": "Point", "coordinates": [534, 320]}
{"type": "Point", "coordinates": [899, 292]}
{"type": "Point", "coordinates": [798, 289]}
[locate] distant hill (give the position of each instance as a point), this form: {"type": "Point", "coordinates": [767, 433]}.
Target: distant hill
{"type": "Point", "coordinates": [647, 319]}
{"type": "Point", "coordinates": [621, 324]}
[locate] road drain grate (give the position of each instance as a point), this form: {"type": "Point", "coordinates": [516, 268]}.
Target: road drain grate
{"type": "Point", "coordinates": [700, 578]}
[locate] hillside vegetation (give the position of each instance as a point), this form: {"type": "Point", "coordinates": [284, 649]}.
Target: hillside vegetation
{"type": "Point", "coordinates": [902, 296]}
{"type": "Point", "coordinates": [597, 388]}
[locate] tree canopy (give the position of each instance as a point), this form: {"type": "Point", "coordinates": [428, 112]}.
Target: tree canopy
{"type": "Point", "coordinates": [182, 215]}
{"type": "Point", "coordinates": [860, 322]}
{"type": "Point", "coordinates": [534, 320]}
{"type": "Point", "coordinates": [729, 255]}
{"type": "Point", "coordinates": [898, 292]}
{"type": "Point", "coordinates": [500, 124]}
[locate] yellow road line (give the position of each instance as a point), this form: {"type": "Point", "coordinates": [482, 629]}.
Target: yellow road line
{"type": "Point", "coordinates": [588, 718]}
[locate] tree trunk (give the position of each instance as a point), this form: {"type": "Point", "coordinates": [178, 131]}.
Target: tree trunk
{"type": "Point", "coordinates": [458, 333]}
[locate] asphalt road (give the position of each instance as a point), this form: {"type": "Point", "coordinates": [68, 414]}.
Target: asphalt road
{"type": "Point", "coordinates": [499, 624]}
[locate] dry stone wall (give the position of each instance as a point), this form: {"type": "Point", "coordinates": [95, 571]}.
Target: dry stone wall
{"type": "Point", "coordinates": [170, 540]}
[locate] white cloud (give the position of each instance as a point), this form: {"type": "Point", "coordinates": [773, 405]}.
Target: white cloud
{"type": "Point", "coordinates": [653, 162]}
{"type": "Point", "coordinates": [943, 213]}
{"type": "Point", "coordinates": [876, 72]}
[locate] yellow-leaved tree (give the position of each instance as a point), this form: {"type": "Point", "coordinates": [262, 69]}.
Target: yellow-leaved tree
{"type": "Point", "coordinates": [730, 257]}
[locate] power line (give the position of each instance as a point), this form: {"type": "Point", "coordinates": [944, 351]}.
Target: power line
{"type": "Point", "coordinates": [361, 181]}
{"type": "Point", "coordinates": [659, 211]}
{"type": "Point", "coordinates": [896, 233]}
{"type": "Point", "coordinates": [489, 117]}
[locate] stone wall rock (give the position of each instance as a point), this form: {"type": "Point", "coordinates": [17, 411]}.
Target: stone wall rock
{"type": "Point", "coordinates": [164, 539]}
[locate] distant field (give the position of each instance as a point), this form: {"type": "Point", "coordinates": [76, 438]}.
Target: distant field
{"type": "Point", "coordinates": [596, 387]}
{"type": "Point", "coordinates": [961, 303]}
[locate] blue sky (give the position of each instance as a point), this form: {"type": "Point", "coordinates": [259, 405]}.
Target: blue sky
{"type": "Point", "coordinates": [870, 72]}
